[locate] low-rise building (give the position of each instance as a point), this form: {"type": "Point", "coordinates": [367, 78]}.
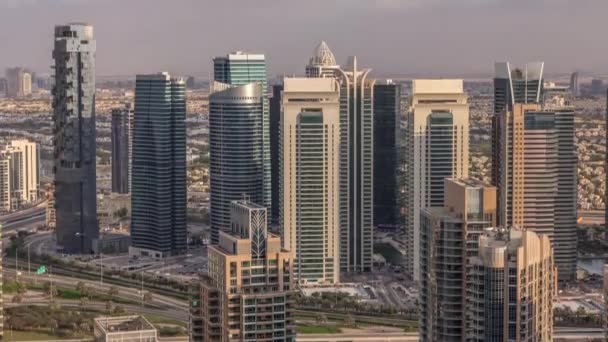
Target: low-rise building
{"type": "Point", "coordinates": [124, 329]}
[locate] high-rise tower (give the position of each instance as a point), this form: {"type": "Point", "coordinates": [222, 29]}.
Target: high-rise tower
{"type": "Point", "coordinates": [310, 180]}
{"type": "Point", "coordinates": [158, 192]}
{"type": "Point", "coordinates": [235, 70]}
{"type": "Point", "coordinates": [437, 148]}
{"type": "Point", "coordinates": [322, 63]}
{"type": "Point", "coordinates": [517, 85]}
{"type": "Point", "coordinates": [387, 118]}
{"type": "Point", "coordinates": [74, 140]}
{"type": "Point", "coordinates": [121, 148]}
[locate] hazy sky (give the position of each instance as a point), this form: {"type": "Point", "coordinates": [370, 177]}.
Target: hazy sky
{"type": "Point", "coordinates": [401, 37]}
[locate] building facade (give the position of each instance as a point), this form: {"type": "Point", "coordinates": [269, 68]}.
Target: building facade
{"type": "Point", "coordinates": [158, 192]}
{"type": "Point", "coordinates": [516, 85]}
{"type": "Point", "coordinates": [18, 82]}
{"type": "Point", "coordinates": [513, 284]}
{"type": "Point", "coordinates": [74, 139]}
{"type": "Point", "coordinates": [248, 294]}
{"type": "Point", "coordinates": [387, 123]}
{"type": "Point", "coordinates": [236, 149]}
{"type": "Point", "coordinates": [322, 63]}
{"type": "Point", "coordinates": [536, 175]}
{"type": "Point", "coordinates": [437, 141]}
{"type": "Point", "coordinates": [5, 184]}
{"type": "Point", "coordinates": [22, 159]}
{"type": "Point", "coordinates": [121, 148]}
{"type": "Point", "coordinates": [310, 180]}
{"type": "Point", "coordinates": [449, 239]}
{"type": "Point", "coordinates": [241, 68]}
{"type": "Point", "coordinates": [275, 146]}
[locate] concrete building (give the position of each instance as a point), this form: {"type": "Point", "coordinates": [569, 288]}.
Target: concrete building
{"type": "Point", "coordinates": [25, 169]}
{"type": "Point", "coordinates": [449, 238]}
{"type": "Point", "coordinates": [513, 283]}
{"type": "Point", "coordinates": [237, 69]}
{"type": "Point", "coordinates": [18, 82]}
{"type": "Point", "coordinates": [124, 329]}
{"type": "Point", "coordinates": [74, 128]}
{"type": "Point", "coordinates": [121, 148]}
{"type": "Point", "coordinates": [310, 180]}
{"type": "Point", "coordinates": [248, 295]}
{"type": "Point", "coordinates": [158, 192]}
{"type": "Point", "coordinates": [437, 140]}
{"type": "Point", "coordinates": [387, 123]}
{"type": "Point", "coordinates": [236, 150]}
{"type": "Point", "coordinates": [535, 163]}
{"type": "Point", "coordinates": [5, 184]}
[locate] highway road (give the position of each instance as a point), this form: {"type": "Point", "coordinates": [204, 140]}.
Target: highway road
{"type": "Point", "coordinates": [31, 217]}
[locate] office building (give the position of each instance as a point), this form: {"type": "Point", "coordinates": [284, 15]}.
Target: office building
{"type": "Point", "coordinates": [437, 141]}
{"type": "Point", "coordinates": [249, 292]}
{"type": "Point", "coordinates": [18, 82]}
{"type": "Point", "coordinates": [74, 128]}
{"type": "Point", "coordinates": [387, 123]}
{"type": "Point", "coordinates": [310, 180]}
{"type": "Point", "coordinates": [158, 192]}
{"type": "Point", "coordinates": [536, 177]}
{"type": "Point", "coordinates": [356, 167]}
{"type": "Point", "coordinates": [449, 238]}
{"type": "Point", "coordinates": [124, 329]}
{"type": "Point", "coordinates": [121, 148]}
{"type": "Point", "coordinates": [275, 146]}
{"type": "Point", "coordinates": [512, 287]}
{"type": "Point", "coordinates": [236, 149]}
{"type": "Point", "coordinates": [243, 73]}
{"type": "Point", "coordinates": [322, 63]}
{"type": "Point", "coordinates": [515, 85]}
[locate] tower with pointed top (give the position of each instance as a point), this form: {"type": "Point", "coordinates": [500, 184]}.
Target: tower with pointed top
{"type": "Point", "coordinates": [322, 63]}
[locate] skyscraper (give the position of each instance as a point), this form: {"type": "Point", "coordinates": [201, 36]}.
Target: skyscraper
{"type": "Point", "coordinates": [536, 177]}
{"type": "Point", "coordinates": [236, 149]}
{"type": "Point", "coordinates": [310, 180]}
{"type": "Point", "coordinates": [512, 286]}
{"type": "Point", "coordinates": [275, 146]}
{"type": "Point", "coordinates": [158, 192]}
{"type": "Point", "coordinates": [437, 148]}
{"type": "Point", "coordinates": [74, 140]}
{"type": "Point", "coordinates": [387, 118]}
{"type": "Point", "coordinates": [517, 85]}
{"type": "Point", "coordinates": [449, 239]}
{"type": "Point", "coordinates": [240, 69]}
{"type": "Point", "coordinates": [121, 148]}
{"type": "Point", "coordinates": [5, 184]}
{"type": "Point", "coordinates": [322, 63]}
{"type": "Point", "coordinates": [574, 85]}
{"type": "Point", "coordinates": [248, 293]}
{"type": "Point", "coordinates": [356, 167]}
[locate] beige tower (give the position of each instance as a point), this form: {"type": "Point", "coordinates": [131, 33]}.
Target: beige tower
{"type": "Point", "coordinates": [437, 148]}
{"type": "Point", "coordinates": [310, 174]}
{"type": "Point", "coordinates": [26, 170]}
{"type": "Point", "coordinates": [513, 284]}
{"type": "Point", "coordinates": [248, 294]}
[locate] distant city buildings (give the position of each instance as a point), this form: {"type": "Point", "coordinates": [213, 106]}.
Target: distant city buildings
{"type": "Point", "coordinates": [310, 179]}
{"type": "Point", "coordinates": [248, 294]}
{"type": "Point", "coordinates": [387, 124]}
{"type": "Point", "coordinates": [574, 85]}
{"type": "Point", "coordinates": [535, 171]}
{"type": "Point", "coordinates": [122, 120]}
{"type": "Point", "coordinates": [74, 129]}
{"type": "Point", "coordinates": [239, 145]}
{"type": "Point", "coordinates": [158, 190]}
{"type": "Point", "coordinates": [18, 82]}
{"type": "Point", "coordinates": [437, 141]}
{"type": "Point", "coordinates": [449, 239]}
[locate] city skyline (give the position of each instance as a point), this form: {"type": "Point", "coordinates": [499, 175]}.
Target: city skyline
{"type": "Point", "coordinates": [279, 34]}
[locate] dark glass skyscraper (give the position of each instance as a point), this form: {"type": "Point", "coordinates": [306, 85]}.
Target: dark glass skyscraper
{"type": "Point", "coordinates": [158, 192]}
{"type": "Point", "coordinates": [517, 85]}
{"type": "Point", "coordinates": [387, 111]}
{"type": "Point", "coordinates": [275, 121]}
{"type": "Point", "coordinates": [121, 123]}
{"type": "Point", "coordinates": [74, 140]}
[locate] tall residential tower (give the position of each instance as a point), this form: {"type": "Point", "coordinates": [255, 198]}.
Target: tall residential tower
{"type": "Point", "coordinates": [74, 140]}
{"type": "Point", "coordinates": [121, 148]}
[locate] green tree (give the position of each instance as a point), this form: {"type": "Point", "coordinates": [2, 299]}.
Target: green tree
{"type": "Point", "coordinates": [113, 291]}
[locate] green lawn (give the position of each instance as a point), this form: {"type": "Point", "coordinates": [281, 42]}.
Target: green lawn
{"type": "Point", "coordinates": [156, 319]}
{"type": "Point", "coordinates": [28, 336]}
{"type": "Point", "coordinates": [317, 329]}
